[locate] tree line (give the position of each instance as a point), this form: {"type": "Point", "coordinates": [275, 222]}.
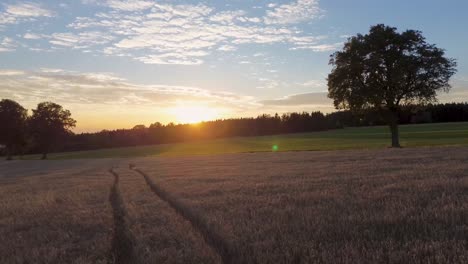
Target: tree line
{"type": "Point", "coordinates": [48, 128]}
{"type": "Point", "coordinates": [262, 125]}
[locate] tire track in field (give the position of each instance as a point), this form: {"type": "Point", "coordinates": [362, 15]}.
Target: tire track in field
{"type": "Point", "coordinates": [212, 239]}
{"type": "Point", "coordinates": [122, 251]}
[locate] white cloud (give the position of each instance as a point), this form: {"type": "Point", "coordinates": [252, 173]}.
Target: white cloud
{"type": "Point", "coordinates": [81, 40]}
{"type": "Point", "coordinates": [250, 19]}
{"type": "Point", "coordinates": [314, 83]}
{"type": "Point", "coordinates": [104, 89]}
{"type": "Point", "coordinates": [164, 33]}
{"type": "Point", "coordinates": [295, 12]}
{"type": "Point", "coordinates": [319, 48]}
{"type": "Point", "coordinates": [177, 34]}
{"type": "Point", "coordinates": [267, 83]}
{"type": "Point", "coordinates": [227, 17]}
{"type": "Point", "coordinates": [174, 58]}
{"type": "Point", "coordinates": [317, 99]}
{"type": "Point", "coordinates": [227, 48]}
{"type": "Point", "coordinates": [11, 72]}
{"type": "Point", "coordinates": [7, 44]}
{"type": "Point", "coordinates": [22, 12]}
{"type": "Point", "coordinates": [129, 5]}
{"type": "Point", "coordinates": [31, 36]}
{"type": "Point", "coordinates": [28, 9]}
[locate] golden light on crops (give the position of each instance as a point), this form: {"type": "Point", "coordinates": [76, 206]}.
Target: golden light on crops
{"type": "Point", "coordinates": [193, 113]}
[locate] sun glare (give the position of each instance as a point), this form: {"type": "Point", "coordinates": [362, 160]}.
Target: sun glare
{"type": "Point", "coordinates": [193, 113]}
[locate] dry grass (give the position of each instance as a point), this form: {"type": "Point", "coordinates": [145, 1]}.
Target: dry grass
{"type": "Point", "coordinates": [387, 206]}
{"type": "Point", "coordinates": [162, 236]}
{"type": "Point", "coordinates": [54, 213]}
{"type": "Point", "coordinates": [379, 206]}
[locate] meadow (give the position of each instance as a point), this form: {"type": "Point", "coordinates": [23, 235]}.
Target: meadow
{"type": "Point", "coordinates": [353, 206]}
{"type": "Point", "coordinates": [439, 134]}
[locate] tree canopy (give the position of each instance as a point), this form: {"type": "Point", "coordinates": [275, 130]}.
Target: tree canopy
{"type": "Point", "coordinates": [13, 118]}
{"type": "Point", "coordinates": [49, 123]}
{"type": "Point", "coordinates": [385, 69]}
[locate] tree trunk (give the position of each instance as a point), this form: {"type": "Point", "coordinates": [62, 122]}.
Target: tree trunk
{"type": "Point", "coordinates": [44, 156]}
{"type": "Point", "coordinates": [395, 135]}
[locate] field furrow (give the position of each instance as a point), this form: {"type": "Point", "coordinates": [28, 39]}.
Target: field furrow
{"type": "Point", "coordinates": [373, 206]}
{"type": "Point", "coordinates": [123, 243]}
{"type": "Point", "coordinates": [161, 234]}
{"type": "Point", "coordinates": [213, 239]}
{"type": "Point", "coordinates": [389, 206]}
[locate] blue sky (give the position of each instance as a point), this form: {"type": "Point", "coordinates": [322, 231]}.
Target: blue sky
{"type": "Point", "coordinates": [117, 63]}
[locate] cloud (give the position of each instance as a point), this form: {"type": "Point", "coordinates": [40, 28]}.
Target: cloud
{"type": "Point", "coordinates": [227, 48]}
{"type": "Point", "coordinates": [105, 89]}
{"type": "Point", "coordinates": [300, 99]}
{"type": "Point", "coordinates": [11, 72]}
{"type": "Point", "coordinates": [458, 92]}
{"type": "Point", "coordinates": [129, 5]}
{"type": "Point", "coordinates": [320, 100]}
{"type": "Point", "coordinates": [178, 33]}
{"type": "Point", "coordinates": [7, 44]}
{"type": "Point", "coordinates": [174, 58]}
{"type": "Point", "coordinates": [28, 9]}
{"type": "Point", "coordinates": [227, 17]}
{"type": "Point", "coordinates": [22, 12]}
{"type": "Point", "coordinates": [166, 33]}
{"type": "Point", "coordinates": [32, 36]}
{"type": "Point", "coordinates": [316, 84]}
{"type": "Point", "coordinates": [295, 12]}
{"type": "Point", "coordinates": [319, 48]}
{"type": "Point", "coordinates": [313, 83]}
{"type": "Point", "coordinates": [81, 40]}
{"type": "Point", "coordinates": [267, 83]}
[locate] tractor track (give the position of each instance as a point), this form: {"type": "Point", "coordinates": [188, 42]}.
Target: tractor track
{"type": "Point", "coordinates": [123, 243]}
{"type": "Point", "coordinates": [212, 239]}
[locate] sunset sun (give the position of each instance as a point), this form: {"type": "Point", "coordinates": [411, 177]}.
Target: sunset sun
{"type": "Point", "coordinates": [193, 113]}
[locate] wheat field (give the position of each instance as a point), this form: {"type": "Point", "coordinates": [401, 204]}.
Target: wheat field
{"type": "Point", "coordinates": [368, 206]}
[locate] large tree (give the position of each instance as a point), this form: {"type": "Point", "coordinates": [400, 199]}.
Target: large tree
{"type": "Point", "coordinates": [384, 70]}
{"type": "Point", "coordinates": [13, 119]}
{"type": "Point", "coordinates": [49, 124]}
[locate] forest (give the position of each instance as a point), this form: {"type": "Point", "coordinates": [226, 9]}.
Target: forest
{"type": "Point", "coordinates": [262, 125]}
{"type": "Point", "coordinates": [48, 129]}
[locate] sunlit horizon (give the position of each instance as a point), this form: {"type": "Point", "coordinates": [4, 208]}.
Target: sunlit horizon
{"type": "Point", "coordinates": [116, 64]}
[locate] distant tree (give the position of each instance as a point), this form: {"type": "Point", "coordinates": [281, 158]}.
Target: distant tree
{"type": "Point", "coordinates": [139, 127]}
{"type": "Point", "coordinates": [13, 119]}
{"type": "Point", "coordinates": [386, 69]}
{"type": "Point", "coordinates": [49, 124]}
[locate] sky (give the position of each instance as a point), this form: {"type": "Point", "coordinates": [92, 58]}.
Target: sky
{"type": "Point", "coordinates": [119, 63]}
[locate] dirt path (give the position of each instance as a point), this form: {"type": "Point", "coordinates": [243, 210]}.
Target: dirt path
{"type": "Point", "coordinates": [214, 240]}
{"type": "Point", "coordinates": [122, 251]}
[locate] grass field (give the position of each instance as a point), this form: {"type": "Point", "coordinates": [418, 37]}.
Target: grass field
{"type": "Point", "coordinates": [354, 206]}
{"type": "Point", "coordinates": [349, 138]}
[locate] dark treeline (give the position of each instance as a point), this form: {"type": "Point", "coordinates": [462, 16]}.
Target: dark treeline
{"type": "Point", "coordinates": [47, 129]}
{"type": "Point", "coordinates": [260, 126]}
